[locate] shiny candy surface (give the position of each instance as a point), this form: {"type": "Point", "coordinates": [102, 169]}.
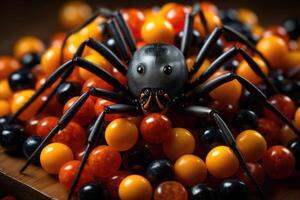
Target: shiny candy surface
{"type": "Point", "coordinates": [53, 156]}
{"type": "Point", "coordinates": [135, 187]}
{"type": "Point", "coordinates": [159, 170]}
{"type": "Point", "coordinates": [170, 190]}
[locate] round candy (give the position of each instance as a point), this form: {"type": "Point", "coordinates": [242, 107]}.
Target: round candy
{"type": "Point", "coordinates": [135, 20]}
{"type": "Point", "coordinates": [53, 156]}
{"type": "Point", "coordinates": [179, 143]}
{"type": "Point", "coordinates": [170, 190]}
{"type": "Point", "coordinates": [30, 145]}
{"type": "Point", "coordinates": [284, 104]}
{"type": "Point", "coordinates": [12, 137]}
{"type": "Point", "coordinates": [135, 187]}
{"type": "Point", "coordinates": [68, 171]}
{"type": "Point", "coordinates": [156, 128]}
{"type": "Point", "coordinates": [233, 190]}
{"type": "Point", "coordinates": [19, 99]}
{"type": "Point", "coordinates": [96, 83]}
{"type": "Point", "coordinates": [28, 44]}
{"type": "Point", "coordinates": [278, 162]}
{"type": "Point", "coordinates": [270, 130]}
{"type": "Point", "coordinates": [45, 125]}
{"type": "Point", "coordinates": [190, 170]}
{"type": "Point", "coordinates": [21, 79]}
{"type": "Point", "coordinates": [294, 146]}
{"type": "Point", "coordinates": [257, 172]}
{"type": "Point", "coordinates": [101, 104]}
{"type": "Point", "coordinates": [287, 135]}
{"type": "Point", "coordinates": [137, 159]}
{"type": "Point", "coordinates": [121, 134]}
{"type": "Point", "coordinates": [252, 145]}
{"type": "Point", "coordinates": [159, 170]}
{"type": "Point", "coordinates": [297, 118]}
{"type": "Point", "coordinates": [93, 191]}
{"type": "Point", "coordinates": [30, 60]}
{"type": "Point", "coordinates": [4, 108]}
{"type": "Point", "coordinates": [224, 155]}
{"type": "Point", "coordinates": [67, 90]}
{"type": "Point", "coordinates": [6, 92]}
{"type": "Point", "coordinates": [158, 29]}
{"type": "Point", "coordinates": [85, 114]}
{"type": "Point", "coordinates": [211, 137]}
{"type": "Point", "coordinates": [113, 182]}
{"type": "Point", "coordinates": [176, 16]}
{"type": "Point", "coordinates": [8, 65]}
{"type": "Point", "coordinates": [104, 161]}
{"type": "Point", "coordinates": [50, 60]}
{"type": "Point", "coordinates": [201, 192]}
{"type": "Point", "coordinates": [245, 119]}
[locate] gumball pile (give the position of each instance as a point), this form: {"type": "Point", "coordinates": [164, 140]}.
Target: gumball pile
{"type": "Point", "coordinates": [158, 155]}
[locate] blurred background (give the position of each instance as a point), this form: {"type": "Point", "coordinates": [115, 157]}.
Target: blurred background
{"type": "Point", "coordinates": [40, 18]}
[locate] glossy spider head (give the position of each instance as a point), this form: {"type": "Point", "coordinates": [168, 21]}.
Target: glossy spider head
{"type": "Point", "coordinates": [156, 74]}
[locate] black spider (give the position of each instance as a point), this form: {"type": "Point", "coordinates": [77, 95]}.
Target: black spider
{"type": "Point", "coordinates": [158, 80]}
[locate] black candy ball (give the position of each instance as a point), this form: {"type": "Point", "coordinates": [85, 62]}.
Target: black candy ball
{"type": "Point", "coordinates": [292, 26]}
{"type": "Point", "coordinates": [21, 79]}
{"type": "Point", "coordinates": [30, 60]}
{"type": "Point", "coordinates": [294, 146]}
{"type": "Point", "coordinates": [93, 191]}
{"type": "Point", "coordinates": [160, 170]}
{"type": "Point", "coordinates": [211, 137]}
{"type": "Point", "coordinates": [30, 145]}
{"type": "Point", "coordinates": [245, 119]}
{"type": "Point", "coordinates": [201, 192]}
{"type": "Point", "coordinates": [67, 90]}
{"type": "Point", "coordinates": [12, 138]}
{"type": "Point", "coordinates": [232, 190]}
{"type": "Point", "coordinates": [137, 159]}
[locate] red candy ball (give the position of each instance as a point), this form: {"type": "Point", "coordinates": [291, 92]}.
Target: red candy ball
{"type": "Point", "coordinates": [285, 104]}
{"type": "Point", "coordinates": [176, 16]}
{"type": "Point", "coordinates": [85, 114]}
{"type": "Point", "coordinates": [104, 161]}
{"type": "Point", "coordinates": [135, 20]}
{"type": "Point", "coordinates": [68, 171]}
{"type": "Point", "coordinates": [112, 183]}
{"type": "Point", "coordinates": [278, 162]}
{"type": "Point", "coordinates": [156, 128]}
{"type": "Point", "coordinates": [45, 125]}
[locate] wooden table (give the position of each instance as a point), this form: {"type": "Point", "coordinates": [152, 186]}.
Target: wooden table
{"type": "Point", "coordinates": [38, 185]}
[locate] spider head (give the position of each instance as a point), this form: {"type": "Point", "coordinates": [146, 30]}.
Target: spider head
{"type": "Point", "coordinates": [156, 74]}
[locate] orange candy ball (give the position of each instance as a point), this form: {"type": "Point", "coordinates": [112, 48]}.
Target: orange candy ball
{"type": "Point", "coordinates": [6, 93]}
{"type": "Point", "coordinates": [121, 134]}
{"type": "Point", "coordinates": [158, 29]}
{"type": "Point", "coordinates": [8, 65]}
{"type": "Point", "coordinates": [4, 108]}
{"type": "Point", "coordinates": [190, 170]}
{"type": "Point", "coordinates": [246, 72]}
{"type": "Point", "coordinates": [135, 187]}
{"type": "Point", "coordinates": [68, 171]}
{"type": "Point", "coordinates": [19, 99]}
{"type": "Point", "coordinates": [180, 142]}
{"type": "Point", "coordinates": [297, 118]}
{"type": "Point", "coordinates": [104, 161]}
{"type": "Point", "coordinates": [28, 44]}
{"type": "Point", "coordinates": [221, 162]}
{"type": "Point", "coordinates": [252, 145]}
{"type": "Point", "coordinates": [50, 60]}
{"type": "Point", "coordinates": [54, 155]}
{"type": "Point", "coordinates": [74, 13]}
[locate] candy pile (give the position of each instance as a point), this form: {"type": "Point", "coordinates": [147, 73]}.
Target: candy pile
{"type": "Point", "coordinates": [157, 156]}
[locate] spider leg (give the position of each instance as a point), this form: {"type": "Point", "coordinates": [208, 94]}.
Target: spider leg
{"type": "Point", "coordinates": [117, 108]}
{"type": "Point", "coordinates": [209, 86]}
{"type": "Point", "coordinates": [115, 32]}
{"type": "Point", "coordinates": [225, 57]}
{"type": "Point", "coordinates": [227, 136]}
{"type": "Point", "coordinates": [211, 41]}
{"type": "Point", "coordinates": [68, 116]}
{"type": "Point", "coordinates": [100, 12]}
{"type": "Point", "coordinates": [67, 67]}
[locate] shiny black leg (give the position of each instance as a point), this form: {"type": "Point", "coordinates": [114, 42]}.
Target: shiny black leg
{"type": "Point", "coordinates": [200, 111]}
{"type": "Point", "coordinates": [68, 116]}
{"type": "Point", "coordinates": [210, 85]}
{"type": "Point", "coordinates": [225, 57]}
{"type": "Point", "coordinates": [117, 108]}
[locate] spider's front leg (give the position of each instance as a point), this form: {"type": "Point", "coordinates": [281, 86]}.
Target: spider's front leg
{"type": "Point", "coordinates": [68, 116]}
{"type": "Point", "coordinates": [200, 111]}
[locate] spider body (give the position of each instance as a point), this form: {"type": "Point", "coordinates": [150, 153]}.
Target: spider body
{"type": "Point", "coordinates": [158, 80]}
{"type": "Point", "coordinates": [156, 74]}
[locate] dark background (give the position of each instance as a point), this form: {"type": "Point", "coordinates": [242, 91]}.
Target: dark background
{"type": "Point", "coordinates": [39, 17]}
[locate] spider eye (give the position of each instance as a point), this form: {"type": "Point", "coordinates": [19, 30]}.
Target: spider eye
{"type": "Point", "coordinates": [140, 69]}
{"type": "Point", "coordinates": [167, 69]}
